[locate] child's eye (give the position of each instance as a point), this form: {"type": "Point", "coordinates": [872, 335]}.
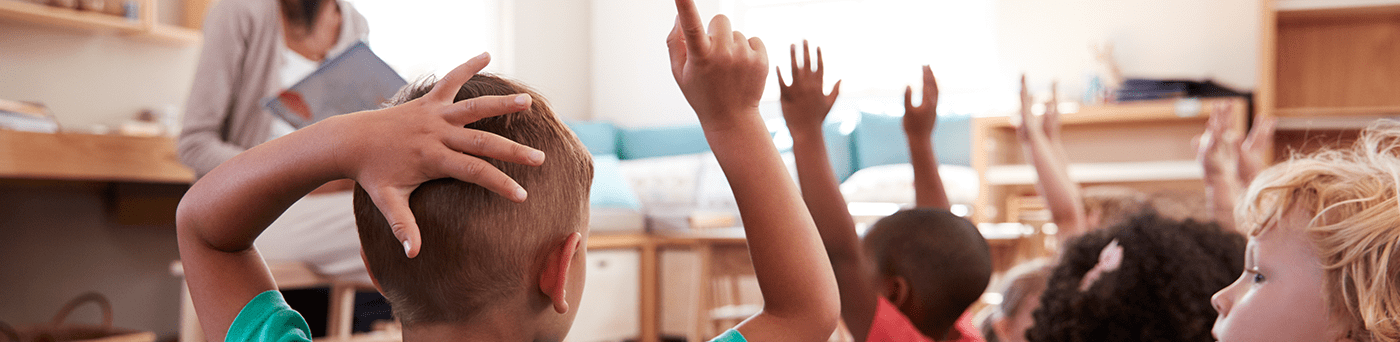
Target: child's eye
{"type": "Point", "coordinates": [1258, 277]}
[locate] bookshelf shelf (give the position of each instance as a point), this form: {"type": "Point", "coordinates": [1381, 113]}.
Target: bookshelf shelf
{"type": "Point", "coordinates": [145, 28]}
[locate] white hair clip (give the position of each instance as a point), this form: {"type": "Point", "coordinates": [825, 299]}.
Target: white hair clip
{"type": "Point", "coordinates": [1109, 259]}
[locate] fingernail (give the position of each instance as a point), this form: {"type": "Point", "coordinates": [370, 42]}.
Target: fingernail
{"type": "Point", "coordinates": [522, 99]}
{"type": "Point", "coordinates": [536, 157]}
{"type": "Point", "coordinates": [406, 247]}
{"type": "Point", "coordinates": [520, 194]}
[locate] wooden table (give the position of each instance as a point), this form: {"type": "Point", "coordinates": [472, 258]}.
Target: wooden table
{"type": "Point", "coordinates": [141, 177]}
{"type": "Point", "coordinates": [649, 245]}
{"type": "Point", "coordinates": [1006, 251]}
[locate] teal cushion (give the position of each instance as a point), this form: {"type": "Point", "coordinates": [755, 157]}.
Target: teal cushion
{"type": "Point", "coordinates": [610, 189]}
{"type": "Point", "coordinates": [838, 149]}
{"type": "Point", "coordinates": [599, 137]}
{"type": "Point", "coordinates": [879, 140]}
{"type": "Point", "coordinates": [649, 142]}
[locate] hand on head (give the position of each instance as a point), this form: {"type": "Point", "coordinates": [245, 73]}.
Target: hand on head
{"type": "Point", "coordinates": [424, 139]}
{"type": "Point", "coordinates": [805, 106]}
{"type": "Point", "coordinates": [721, 73]}
{"type": "Point", "coordinates": [921, 119]}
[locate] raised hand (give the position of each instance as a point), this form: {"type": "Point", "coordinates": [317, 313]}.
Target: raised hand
{"type": "Point", "coordinates": [1030, 124]}
{"type": "Point", "coordinates": [1051, 120]}
{"type": "Point", "coordinates": [920, 120]}
{"type": "Point", "coordinates": [1218, 150]}
{"type": "Point", "coordinates": [804, 104]}
{"type": "Point", "coordinates": [1255, 147]}
{"type": "Point", "coordinates": [405, 145]}
{"type": "Point", "coordinates": [721, 73]}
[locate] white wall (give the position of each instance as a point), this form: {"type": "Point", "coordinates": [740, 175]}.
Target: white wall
{"type": "Point", "coordinates": [1191, 39]}
{"type": "Point", "coordinates": [547, 46]}
{"type": "Point", "coordinates": [631, 71]}
{"type": "Point", "coordinates": [88, 78]}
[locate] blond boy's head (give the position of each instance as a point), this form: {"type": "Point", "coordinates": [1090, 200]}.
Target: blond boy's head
{"type": "Point", "coordinates": [483, 255]}
{"type": "Point", "coordinates": [1348, 200]}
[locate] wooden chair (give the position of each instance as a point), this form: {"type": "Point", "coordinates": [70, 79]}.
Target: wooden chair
{"type": "Point", "coordinates": [291, 275]}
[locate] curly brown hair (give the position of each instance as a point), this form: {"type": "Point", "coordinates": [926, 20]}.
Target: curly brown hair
{"type": "Point", "coordinates": [1160, 292]}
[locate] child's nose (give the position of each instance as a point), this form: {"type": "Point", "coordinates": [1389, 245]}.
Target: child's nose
{"type": "Point", "coordinates": [1222, 300]}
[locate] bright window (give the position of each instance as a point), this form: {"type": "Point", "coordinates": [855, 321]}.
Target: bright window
{"type": "Point", "coordinates": [876, 47]}
{"type": "Point", "coordinates": [425, 37]}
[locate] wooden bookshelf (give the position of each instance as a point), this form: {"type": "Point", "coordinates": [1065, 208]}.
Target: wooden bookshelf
{"type": "Point", "coordinates": [1142, 145]}
{"type": "Point", "coordinates": [145, 27]}
{"type": "Point", "coordinates": [1327, 69]}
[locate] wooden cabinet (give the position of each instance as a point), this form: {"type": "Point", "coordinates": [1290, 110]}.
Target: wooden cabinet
{"type": "Point", "coordinates": [144, 25]}
{"type": "Point", "coordinates": [1141, 145]}
{"type": "Point", "coordinates": [1327, 69]}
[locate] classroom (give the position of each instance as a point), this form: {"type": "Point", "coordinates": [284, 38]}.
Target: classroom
{"type": "Point", "coordinates": [699, 170]}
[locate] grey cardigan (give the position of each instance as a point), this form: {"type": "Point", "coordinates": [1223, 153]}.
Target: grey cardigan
{"type": "Point", "coordinates": [238, 67]}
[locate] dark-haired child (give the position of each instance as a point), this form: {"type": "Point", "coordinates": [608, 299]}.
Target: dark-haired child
{"type": "Point", "coordinates": [929, 265]}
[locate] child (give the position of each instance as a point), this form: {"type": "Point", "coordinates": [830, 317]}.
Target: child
{"type": "Point", "coordinates": [722, 76]}
{"type": "Point", "coordinates": [1020, 290]}
{"type": "Point", "coordinates": [1148, 279]}
{"type": "Point", "coordinates": [1322, 233]}
{"type": "Point", "coordinates": [930, 265]}
{"type": "Point", "coordinates": [1229, 163]}
{"type": "Point", "coordinates": [486, 269]}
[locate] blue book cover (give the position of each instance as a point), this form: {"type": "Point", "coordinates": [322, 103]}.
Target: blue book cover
{"type": "Point", "coordinates": [356, 80]}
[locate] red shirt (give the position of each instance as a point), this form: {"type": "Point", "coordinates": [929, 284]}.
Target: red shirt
{"type": "Point", "coordinates": [890, 325]}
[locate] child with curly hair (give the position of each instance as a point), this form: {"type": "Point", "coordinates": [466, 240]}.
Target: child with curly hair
{"type": "Point", "coordinates": [1319, 266]}
{"type": "Point", "coordinates": [1148, 279]}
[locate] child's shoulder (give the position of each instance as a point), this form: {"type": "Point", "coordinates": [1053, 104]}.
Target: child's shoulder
{"type": "Point", "coordinates": [267, 317]}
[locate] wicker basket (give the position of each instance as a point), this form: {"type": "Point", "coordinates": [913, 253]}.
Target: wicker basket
{"type": "Point", "coordinates": [58, 330]}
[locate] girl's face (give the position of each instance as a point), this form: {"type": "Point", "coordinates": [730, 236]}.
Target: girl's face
{"type": "Point", "coordinates": [1279, 297]}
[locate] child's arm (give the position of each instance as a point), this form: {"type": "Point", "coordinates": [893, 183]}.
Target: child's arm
{"type": "Point", "coordinates": [722, 76]}
{"type": "Point", "coordinates": [1061, 194]}
{"type": "Point", "coordinates": [918, 128]}
{"type": "Point", "coordinates": [389, 152]}
{"type": "Point", "coordinates": [1219, 154]}
{"type": "Point", "coordinates": [805, 108]}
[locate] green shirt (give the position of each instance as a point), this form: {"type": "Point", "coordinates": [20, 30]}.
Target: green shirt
{"type": "Point", "coordinates": [268, 318]}
{"type": "Point", "coordinates": [730, 335]}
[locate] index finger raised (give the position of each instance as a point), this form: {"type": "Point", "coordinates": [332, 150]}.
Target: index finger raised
{"type": "Point", "coordinates": [691, 27]}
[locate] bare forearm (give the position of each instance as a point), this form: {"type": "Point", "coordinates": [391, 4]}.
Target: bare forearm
{"type": "Point", "coordinates": [1061, 193]}
{"type": "Point", "coordinates": [1222, 193]}
{"type": "Point", "coordinates": [222, 214]}
{"type": "Point", "coordinates": [928, 185]}
{"type": "Point", "coordinates": [837, 229]}
{"type": "Point", "coordinates": [790, 263]}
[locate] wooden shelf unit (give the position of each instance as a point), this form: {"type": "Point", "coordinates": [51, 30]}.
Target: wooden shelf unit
{"type": "Point", "coordinates": [1142, 145]}
{"type": "Point", "coordinates": [146, 27]}
{"type": "Point", "coordinates": [1327, 69]}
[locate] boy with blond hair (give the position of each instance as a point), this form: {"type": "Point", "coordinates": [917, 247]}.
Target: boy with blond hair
{"type": "Point", "coordinates": [478, 266]}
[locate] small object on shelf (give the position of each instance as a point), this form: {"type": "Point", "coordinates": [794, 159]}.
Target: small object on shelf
{"type": "Point", "coordinates": [64, 3]}
{"type": "Point", "coordinates": [143, 125]}
{"type": "Point", "coordinates": [132, 9]}
{"type": "Point", "coordinates": [92, 5]}
{"type": "Point", "coordinates": [26, 116]}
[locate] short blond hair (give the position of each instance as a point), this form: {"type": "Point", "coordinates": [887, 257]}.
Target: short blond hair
{"type": "Point", "coordinates": [1350, 196]}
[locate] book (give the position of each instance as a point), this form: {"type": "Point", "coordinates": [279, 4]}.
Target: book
{"type": "Point", "coordinates": [26, 116]}
{"type": "Point", "coordinates": [356, 80]}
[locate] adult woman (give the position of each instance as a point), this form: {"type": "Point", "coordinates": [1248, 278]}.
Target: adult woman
{"type": "Point", "coordinates": [252, 49]}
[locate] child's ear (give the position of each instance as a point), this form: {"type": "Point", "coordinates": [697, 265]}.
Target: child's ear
{"type": "Point", "coordinates": [896, 289]}
{"type": "Point", "coordinates": [372, 279]}
{"type": "Point", "coordinates": [1001, 325]}
{"type": "Point", "coordinates": [554, 280]}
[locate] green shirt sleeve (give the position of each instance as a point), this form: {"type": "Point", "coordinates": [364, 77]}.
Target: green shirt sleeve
{"type": "Point", "coordinates": [268, 318]}
{"type": "Point", "coordinates": [730, 335]}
